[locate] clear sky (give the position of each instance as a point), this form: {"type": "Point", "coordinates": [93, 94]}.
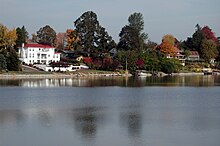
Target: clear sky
{"type": "Point", "coordinates": [176, 17]}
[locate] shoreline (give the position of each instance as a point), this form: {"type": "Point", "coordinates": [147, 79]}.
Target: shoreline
{"type": "Point", "coordinates": [80, 75]}
{"type": "Point", "coordinates": [59, 75]}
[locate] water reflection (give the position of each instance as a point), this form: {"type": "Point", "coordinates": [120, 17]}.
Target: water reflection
{"type": "Point", "coordinates": [12, 116]}
{"type": "Point", "coordinates": [161, 116]}
{"type": "Point", "coordinates": [87, 119]}
{"type": "Point", "coordinates": [116, 81]}
{"type": "Point", "coordinates": [133, 122]}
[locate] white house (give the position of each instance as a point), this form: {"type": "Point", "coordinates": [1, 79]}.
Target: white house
{"type": "Point", "coordinates": [37, 53]}
{"type": "Point", "coordinates": [67, 68]}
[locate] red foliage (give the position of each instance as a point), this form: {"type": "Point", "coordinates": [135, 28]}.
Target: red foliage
{"type": "Point", "coordinates": [140, 63]}
{"type": "Point", "coordinates": [87, 60]}
{"type": "Point", "coordinates": [209, 35]}
{"type": "Point", "coordinates": [107, 63]}
{"type": "Point", "coordinates": [107, 60]}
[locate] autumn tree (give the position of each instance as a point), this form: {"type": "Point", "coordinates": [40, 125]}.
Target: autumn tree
{"type": "Point", "coordinates": [72, 39]}
{"type": "Point", "coordinates": [167, 45]}
{"type": "Point", "coordinates": [46, 36]}
{"type": "Point", "coordinates": [3, 30]}
{"type": "Point", "coordinates": [209, 50]}
{"type": "Point", "coordinates": [165, 48]}
{"type": "Point", "coordinates": [22, 36]}
{"type": "Point", "coordinates": [61, 40]}
{"type": "Point", "coordinates": [7, 37]}
{"type": "Point", "coordinates": [168, 38]}
{"type": "Point", "coordinates": [209, 34]}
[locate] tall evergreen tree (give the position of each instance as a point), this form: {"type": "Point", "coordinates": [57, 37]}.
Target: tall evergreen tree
{"type": "Point", "coordinates": [3, 64]}
{"type": "Point", "coordinates": [90, 34]}
{"type": "Point", "coordinates": [132, 35]}
{"type": "Point", "coordinates": [136, 21]}
{"type": "Point", "coordinates": [128, 39]}
{"type": "Point", "coordinates": [46, 36]}
{"type": "Point", "coordinates": [195, 42]}
{"type": "Point", "coordinates": [104, 41]}
{"type": "Point", "coordinates": [86, 26]}
{"type": "Point", "coordinates": [22, 36]}
{"type": "Point", "coordinates": [13, 62]}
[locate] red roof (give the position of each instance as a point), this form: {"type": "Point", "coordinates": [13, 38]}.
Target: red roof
{"type": "Point", "coordinates": [195, 53]}
{"type": "Point", "coordinates": [37, 46]}
{"type": "Point", "coordinates": [176, 50]}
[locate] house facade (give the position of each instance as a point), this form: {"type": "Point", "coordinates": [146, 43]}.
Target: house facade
{"type": "Point", "coordinates": [193, 56]}
{"type": "Point", "coordinates": [177, 53]}
{"type": "Point", "coordinates": [38, 54]}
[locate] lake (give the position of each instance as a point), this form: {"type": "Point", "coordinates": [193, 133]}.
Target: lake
{"type": "Point", "coordinates": [154, 111]}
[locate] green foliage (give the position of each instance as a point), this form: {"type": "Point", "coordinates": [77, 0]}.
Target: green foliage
{"type": "Point", "coordinates": [186, 53]}
{"type": "Point", "coordinates": [22, 36]}
{"type": "Point", "coordinates": [169, 65]}
{"type": "Point", "coordinates": [218, 65]}
{"type": "Point", "coordinates": [104, 41]}
{"type": "Point", "coordinates": [136, 21]}
{"type": "Point", "coordinates": [150, 44]}
{"type": "Point", "coordinates": [209, 50]}
{"type": "Point", "coordinates": [132, 35]}
{"type": "Point", "coordinates": [128, 39]}
{"type": "Point", "coordinates": [195, 42]}
{"type": "Point", "coordinates": [130, 56]}
{"type": "Point", "coordinates": [46, 36]}
{"type": "Point", "coordinates": [91, 35]}
{"type": "Point", "coordinates": [13, 62]}
{"type": "Point", "coordinates": [3, 64]}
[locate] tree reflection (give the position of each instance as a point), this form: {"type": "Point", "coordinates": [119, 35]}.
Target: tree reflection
{"type": "Point", "coordinates": [133, 122]}
{"type": "Point", "coordinates": [87, 120]}
{"type": "Point", "coordinates": [116, 81]}
{"type": "Point", "coordinates": [12, 116]}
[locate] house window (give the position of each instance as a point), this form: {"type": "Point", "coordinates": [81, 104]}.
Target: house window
{"type": "Point", "coordinates": [30, 55]}
{"type": "Point", "coordinates": [29, 49]}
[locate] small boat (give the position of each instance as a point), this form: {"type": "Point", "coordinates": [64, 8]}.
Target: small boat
{"type": "Point", "coordinates": [143, 74]}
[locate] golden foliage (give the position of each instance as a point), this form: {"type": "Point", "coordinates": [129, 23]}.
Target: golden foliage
{"type": "Point", "coordinates": [168, 38]}
{"type": "Point", "coordinates": [72, 38]}
{"type": "Point", "coordinates": [7, 37]}
{"type": "Point", "coordinates": [166, 48]}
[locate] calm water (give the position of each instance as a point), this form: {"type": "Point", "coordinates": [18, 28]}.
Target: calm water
{"type": "Point", "coordinates": [170, 111]}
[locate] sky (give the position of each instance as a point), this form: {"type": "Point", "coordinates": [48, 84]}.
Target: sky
{"type": "Point", "coordinates": [176, 17]}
